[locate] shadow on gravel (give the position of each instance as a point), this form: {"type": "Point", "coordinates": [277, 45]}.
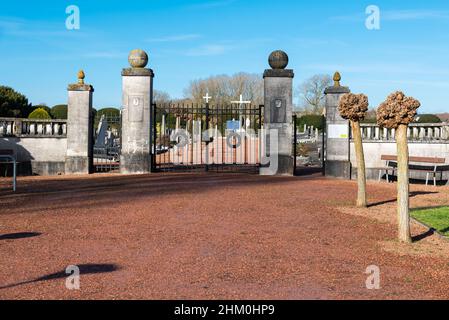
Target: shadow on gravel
{"type": "Point", "coordinates": [84, 269]}
{"type": "Point", "coordinates": [90, 192]}
{"type": "Point", "coordinates": [412, 194]}
{"type": "Point", "coordinates": [307, 171]}
{"type": "Point", "coordinates": [20, 235]}
{"type": "Point", "coordinates": [423, 236]}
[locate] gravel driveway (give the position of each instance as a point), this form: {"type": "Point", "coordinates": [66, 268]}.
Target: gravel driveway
{"type": "Point", "coordinates": [185, 236]}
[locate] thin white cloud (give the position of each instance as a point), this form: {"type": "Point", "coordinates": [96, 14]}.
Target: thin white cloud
{"type": "Point", "coordinates": [208, 50]}
{"type": "Point", "coordinates": [15, 27]}
{"type": "Point", "coordinates": [414, 15]}
{"type": "Point", "coordinates": [175, 38]}
{"type": "Point", "coordinates": [376, 68]}
{"type": "Point", "coordinates": [397, 15]}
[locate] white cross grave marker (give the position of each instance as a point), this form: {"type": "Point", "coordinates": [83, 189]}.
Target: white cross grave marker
{"type": "Point", "coordinates": [241, 102]}
{"type": "Point", "coordinates": [207, 97]}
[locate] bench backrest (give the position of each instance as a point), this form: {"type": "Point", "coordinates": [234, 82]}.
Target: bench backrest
{"type": "Point", "coordinates": [416, 159]}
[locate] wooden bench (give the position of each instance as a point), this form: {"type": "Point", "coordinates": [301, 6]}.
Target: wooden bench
{"type": "Point", "coordinates": [429, 165]}
{"type": "Point", "coordinates": [7, 156]}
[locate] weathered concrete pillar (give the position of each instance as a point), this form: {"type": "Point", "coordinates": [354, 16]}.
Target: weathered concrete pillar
{"type": "Point", "coordinates": [79, 156]}
{"type": "Point", "coordinates": [136, 115]}
{"type": "Point", "coordinates": [278, 92]}
{"type": "Point", "coordinates": [338, 163]}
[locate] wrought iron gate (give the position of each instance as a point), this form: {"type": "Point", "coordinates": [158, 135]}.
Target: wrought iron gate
{"type": "Point", "coordinates": [107, 143]}
{"type": "Point", "coordinates": [207, 138]}
{"type": "Point", "coordinates": [309, 148]}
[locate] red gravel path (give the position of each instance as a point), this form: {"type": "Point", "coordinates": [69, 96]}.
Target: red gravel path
{"type": "Point", "coordinates": [212, 237]}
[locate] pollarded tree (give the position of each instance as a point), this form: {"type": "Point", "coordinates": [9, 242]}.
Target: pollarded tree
{"type": "Point", "coordinates": [396, 113]}
{"type": "Point", "coordinates": [353, 107]}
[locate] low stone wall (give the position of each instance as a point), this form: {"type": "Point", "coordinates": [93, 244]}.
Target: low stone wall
{"type": "Point", "coordinates": [39, 145]}
{"type": "Point", "coordinates": [37, 156]}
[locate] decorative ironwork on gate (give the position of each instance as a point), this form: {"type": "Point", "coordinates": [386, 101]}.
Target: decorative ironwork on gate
{"type": "Point", "coordinates": [207, 138]}
{"type": "Point", "coordinates": [107, 143]}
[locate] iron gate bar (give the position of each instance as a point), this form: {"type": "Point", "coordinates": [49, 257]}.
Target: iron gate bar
{"type": "Point", "coordinates": [295, 143]}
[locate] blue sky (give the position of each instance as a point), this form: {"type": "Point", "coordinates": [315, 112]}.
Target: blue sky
{"type": "Point", "coordinates": [194, 39]}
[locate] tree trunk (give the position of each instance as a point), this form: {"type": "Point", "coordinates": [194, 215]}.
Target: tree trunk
{"type": "Point", "coordinates": [361, 174]}
{"type": "Point", "coordinates": [403, 185]}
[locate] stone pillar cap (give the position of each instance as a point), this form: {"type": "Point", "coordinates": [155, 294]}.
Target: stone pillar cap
{"type": "Point", "coordinates": [134, 72]}
{"type": "Point", "coordinates": [80, 86]}
{"type": "Point", "coordinates": [337, 88]}
{"type": "Point", "coordinates": [278, 73]}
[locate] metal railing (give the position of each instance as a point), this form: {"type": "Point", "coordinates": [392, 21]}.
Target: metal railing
{"type": "Point", "coordinates": [417, 132]}
{"type": "Point", "coordinates": [15, 127]}
{"type": "Point", "coordinates": [7, 157]}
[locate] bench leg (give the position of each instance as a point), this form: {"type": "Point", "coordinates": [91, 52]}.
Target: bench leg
{"type": "Point", "coordinates": [434, 179]}
{"type": "Point", "coordinates": [380, 175]}
{"type": "Point", "coordinates": [14, 183]}
{"type": "Point", "coordinates": [427, 179]}
{"type": "Point", "coordinates": [386, 174]}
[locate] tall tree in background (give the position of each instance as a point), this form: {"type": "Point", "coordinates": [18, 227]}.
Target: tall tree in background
{"type": "Point", "coordinates": [353, 107]}
{"type": "Point", "coordinates": [224, 89]}
{"type": "Point", "coordinates": [311, 93]}
{"type": "Point", "coordinates": [13, 103]}
{"type": "Point", "coordinates": [397, 112]}
{"type": "Point", "coordinates": [161, 97]}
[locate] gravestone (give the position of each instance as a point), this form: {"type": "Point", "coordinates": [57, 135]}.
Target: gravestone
{"type": "Point", "coordinates": [278, 91]}
{"type": "Point", "coordinates": [136, 115]}
{"type": "Point", "coordinates": [337, 164]}
{"type": "Point", "coordinates": [79, 155]}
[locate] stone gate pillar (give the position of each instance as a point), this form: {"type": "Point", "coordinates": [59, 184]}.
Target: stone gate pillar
{"type": "Point", "coordinates": [136, 115]}
{"type": "Point", "coordinates": [338, 162]}
{"type": "Point", "coordinates": [79, 155]}
{"type": "Point", "coordinates": [278, 115]}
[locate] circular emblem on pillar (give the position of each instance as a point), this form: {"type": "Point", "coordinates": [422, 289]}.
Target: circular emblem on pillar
{"type": "Point", "coordinates": [138, 58]}
{"type": "Point", "coordinates": [278, 60]}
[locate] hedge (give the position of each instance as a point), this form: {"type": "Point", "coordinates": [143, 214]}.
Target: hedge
{"type": "Point", "coordinates": [39, 113]}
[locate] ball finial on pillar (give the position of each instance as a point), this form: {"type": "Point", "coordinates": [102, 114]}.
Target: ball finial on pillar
{"type": "Point", "coordinates": [138, 59]}
{"type": "Point", "coordinates": [81, 77]}
{"type": "Point", "coordinates": [278, 60]}
{"type": "Point", "coordinates": [337, 79]}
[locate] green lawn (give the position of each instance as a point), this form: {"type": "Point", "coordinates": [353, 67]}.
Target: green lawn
{"type": "Point", "coordinates": [437, 218]}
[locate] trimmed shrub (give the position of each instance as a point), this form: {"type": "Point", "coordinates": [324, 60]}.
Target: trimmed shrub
{"type": "Point", "coordinates": [39, 113]}
{"type": "Point", "coordinates": [311, 120]}
{"type": "Point", "coordinates": [108, 113]}
{"type": "Point", "coordinates": [59, 111]}
{"type": "Point", "coordinates": [47, 109]}
{"type": "Point", "coordinates": [427, 118]}
{"type": "Point", "coordinates": [111, 112]}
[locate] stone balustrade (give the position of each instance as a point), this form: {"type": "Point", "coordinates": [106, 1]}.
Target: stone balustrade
{"type": "Point", "coordinates": [417, 132]}
{"type": "Point", "coordinates": [15, 127]}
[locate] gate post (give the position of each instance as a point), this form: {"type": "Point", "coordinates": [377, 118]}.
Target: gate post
{"type": "Point", "coordinates": [79, 154]}
{"type": "Point", "coordinates": [278, 112]}
{"type": "Point", "coordinates": [137, 98]}
{"type": "Point", "coordinates": [338, 162]}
